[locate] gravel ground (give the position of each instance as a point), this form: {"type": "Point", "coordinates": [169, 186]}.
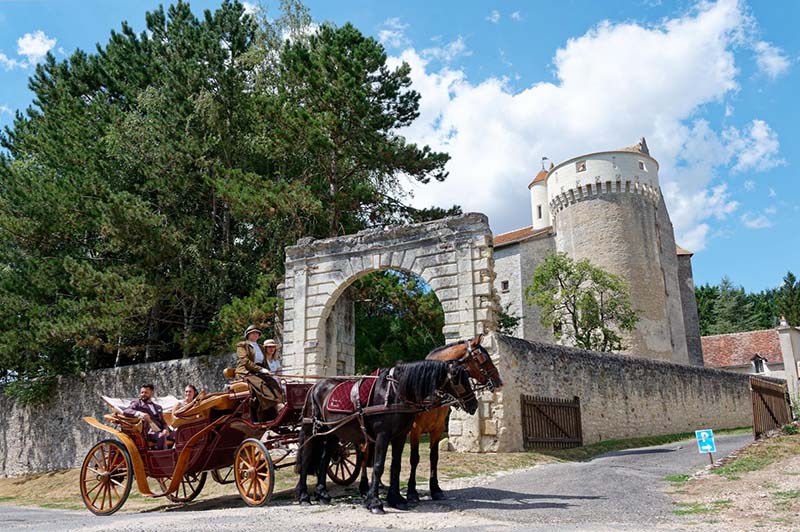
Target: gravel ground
{"type": "Point", "coordinates": [622, 490]}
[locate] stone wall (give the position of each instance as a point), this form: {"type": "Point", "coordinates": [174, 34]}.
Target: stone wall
{"type": "Point", "coordinates": [621, 396]}
{"type": "Point", "coordinates": [691, 320]}
{"type": "Point", "coordinates": [51, 437]}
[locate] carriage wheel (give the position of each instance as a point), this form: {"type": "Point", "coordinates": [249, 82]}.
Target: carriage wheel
{"type": "Point", "coordinates": [190, 487]}
{"type": "Point", "coordinates": [253, 472]}
{"type": "Point", "coordinates": [223, 475]}
{"type": "Point", "coordinates": [106, 477]}
{"type": "Point", "coordinates": [345, 464]}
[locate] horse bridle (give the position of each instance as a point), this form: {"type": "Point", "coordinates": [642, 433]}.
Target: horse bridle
{"type": "Point", "coordinates": [480, 356]}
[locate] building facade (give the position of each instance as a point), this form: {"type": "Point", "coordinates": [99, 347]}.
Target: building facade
{"type": "Point", "coordinates": [607, 207]}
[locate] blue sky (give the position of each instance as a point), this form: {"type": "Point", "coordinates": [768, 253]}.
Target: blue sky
{"type": "Point", "coordinates": [711, 85]}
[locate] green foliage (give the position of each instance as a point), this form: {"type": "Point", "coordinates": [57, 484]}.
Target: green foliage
{"type": "Point", "coordinates": [397, 318]}
{"type": "Point", "coordinates": [725, 308]}
{"type": "Point", "coordinates": [147, 195]}
{"type": "Point", "coordinates": [581, 302]}
{"type": "Point", "coordinates": [507, 322]}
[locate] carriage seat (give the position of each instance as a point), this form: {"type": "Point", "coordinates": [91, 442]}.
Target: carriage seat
{"type": "Point", "coordinates": [236, 386]}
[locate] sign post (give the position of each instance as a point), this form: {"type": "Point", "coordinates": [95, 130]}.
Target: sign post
{"type": "Point", "coordinates": [705, 443]}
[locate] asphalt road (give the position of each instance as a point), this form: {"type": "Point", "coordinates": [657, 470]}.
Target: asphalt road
{"type": "Point", "coordinates": [622, 490]}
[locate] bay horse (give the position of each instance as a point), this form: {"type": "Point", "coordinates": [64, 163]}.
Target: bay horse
{"type": "Point", "coordinates": [388, 414]}
{"type": "Point", "coordinates": [476, 360]}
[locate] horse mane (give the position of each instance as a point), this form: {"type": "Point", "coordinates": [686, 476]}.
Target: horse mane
{"type": "Point", "coordinates": [444, 347]}
{"type": "Point", "coordinates": [417, 381]}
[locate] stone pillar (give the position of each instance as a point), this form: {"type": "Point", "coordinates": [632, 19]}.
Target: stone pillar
{"type": "Point", "coordinates": [790, 349]}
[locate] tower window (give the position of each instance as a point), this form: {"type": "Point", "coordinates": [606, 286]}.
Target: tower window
{"type": "Point", "coordinates": [580, 166]}
{"type": "Point", "coordinates": [642, 166]}
{"type": "Point", "coordinates": [539, 212]}
{"type": "Point", "coordinates": [504, 286]}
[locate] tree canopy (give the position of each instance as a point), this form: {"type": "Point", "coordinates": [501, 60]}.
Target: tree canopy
{"type": "Point", "coordinates": [582, 303]}
{"type": "Point", "coordinates": [147, 194]}
{"type": "Point", "coordinates": [725, 308]}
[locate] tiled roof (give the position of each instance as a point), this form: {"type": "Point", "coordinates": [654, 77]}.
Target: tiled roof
{"type": "Point", "coordinates": [680, 251]}
{"type": "Point", "coordinates": [737, 349]}
{"type": "Point", "coordinates": [518, 235]}
{"type": "Point", "coordinates": [539, 177]}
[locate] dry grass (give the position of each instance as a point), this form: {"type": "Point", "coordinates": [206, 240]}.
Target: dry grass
{"type": "Point", "coordinates": [759, 489]}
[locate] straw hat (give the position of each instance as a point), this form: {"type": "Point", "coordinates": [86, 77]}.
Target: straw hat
{"type": "Point", "coordinates": [270, 343]}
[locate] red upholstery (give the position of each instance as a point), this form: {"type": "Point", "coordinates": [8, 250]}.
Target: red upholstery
{"type": "Point", "coordinates": [340, 398]}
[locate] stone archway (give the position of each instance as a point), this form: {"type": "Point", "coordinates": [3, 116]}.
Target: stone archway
{"type": "Point", "coordinates": [452, 255]}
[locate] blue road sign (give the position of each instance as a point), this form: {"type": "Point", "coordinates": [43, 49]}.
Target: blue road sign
{"type": "Point", "coordinates": [705, 441]}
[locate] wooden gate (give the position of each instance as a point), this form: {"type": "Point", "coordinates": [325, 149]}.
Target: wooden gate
{"type": "Point", "coordinates": [771, 407]}
{"type": "Point", "coordinates": [550, 423]}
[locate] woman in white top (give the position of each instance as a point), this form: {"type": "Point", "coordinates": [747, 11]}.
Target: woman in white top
{"type": "Point", "coordinates": [271, 354]}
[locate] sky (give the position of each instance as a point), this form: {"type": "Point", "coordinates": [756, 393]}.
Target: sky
{"type": "Point", "coordinates": [503, 84]}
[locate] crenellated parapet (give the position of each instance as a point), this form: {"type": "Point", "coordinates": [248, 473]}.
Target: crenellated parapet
{"type": "Point", "coordinates": [582, 192]}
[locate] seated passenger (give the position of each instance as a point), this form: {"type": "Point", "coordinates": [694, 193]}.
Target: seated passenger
{"type": "Point", "coordinates": [155, 427]}
{"type": "Point", "coordinates": [189, 395]}
{"type": "Point", "coordinates": [250, 366]}
{"type": "Point", "coordinates": [271, 354]}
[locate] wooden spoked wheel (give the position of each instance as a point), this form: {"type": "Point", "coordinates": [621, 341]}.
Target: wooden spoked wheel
{"type": "Point", "coordinates": [253, 472]}
{"type": "Point", "coordinates": [345, 464]}
{"type": "Point", "coordinates": [223, 475]}
{"type": "Point", "coordinates": [106, 477]}
{"type": "Point", "coordinates": [190, 487]}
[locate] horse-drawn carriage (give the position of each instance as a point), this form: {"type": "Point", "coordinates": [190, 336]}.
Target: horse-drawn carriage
{"type": "Point", "coordinates": [337, 416]}
{"type": "Point", "coordinates": [212, 434]}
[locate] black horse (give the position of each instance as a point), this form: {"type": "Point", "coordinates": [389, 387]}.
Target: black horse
{"type": "Point", "coordinates": [395, 400]}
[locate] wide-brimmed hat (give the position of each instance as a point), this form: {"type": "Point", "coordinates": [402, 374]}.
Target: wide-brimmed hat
{"type": "Point", "coordinates": [269, 342]}
{"type": "Point", "coordinates": [250, 329]}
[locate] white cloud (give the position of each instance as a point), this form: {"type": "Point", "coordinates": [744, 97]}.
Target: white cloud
{"type": "Point", "coordinates": [8, 63]}
{"type": "Point", "coordinates": [755, 222]}
{"type": "Point", "coordinates": [771, 210]}
{"type": "Point", "coordinates": [648, 81]}
{"type": "Point", "coordinates": [754, 149]}
{"type": "Point", "coordinates": [771, 60]}
{"type": "Point", "coordinates": [448, 52]}
{"type": "Point", "coordinates": [749, 184]}
{"type": "Point", "coordinates": [516, 16]}
{"type": "Point", "coordinates": [250, 8]}
{"type": "Point", "coordinates": [772, 193]}
{"type": "Point", "coordinates": [494, 16]}
{"type": "Point", "coordinates": [34, 46]}
{"type": "Point", "coordinates": [5, 109]}
{"type": "Point", "coordinates": [393, 33]}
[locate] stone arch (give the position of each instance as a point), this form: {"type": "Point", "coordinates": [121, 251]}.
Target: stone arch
{"type": "Point", "coordinates": [452, 255]}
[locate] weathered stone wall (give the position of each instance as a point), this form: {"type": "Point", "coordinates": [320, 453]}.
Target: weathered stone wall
{"type": "Point", "coordinates": [340, 335]}
{"type": "Point", "coordinates": [621, 396]}
{"type": "Point", "coordinates": [36, 439]}
{"type": "Point", "coordinates": [691, 320]}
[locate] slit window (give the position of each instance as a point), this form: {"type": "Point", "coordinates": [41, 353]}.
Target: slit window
{"type": "Point", "coordinates": [580, 166]}
{"type": "Point", "coordinates": [504, 286]}
{"type": "Point", "coordinates": [539, 212]}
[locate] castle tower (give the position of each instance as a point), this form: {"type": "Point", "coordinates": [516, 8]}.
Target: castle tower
{"type": "Point", "coordinates": [607, 207]}
{"type": "Point", "coordinates": [540, 206]}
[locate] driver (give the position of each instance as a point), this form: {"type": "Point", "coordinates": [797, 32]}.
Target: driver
{"type": "Point", "coordinates": [265, 391]}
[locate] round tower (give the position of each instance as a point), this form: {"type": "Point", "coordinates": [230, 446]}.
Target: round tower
{"type": "Point", "coordinates": [540, 206]}
{"type": "Point", "coordinates": [607, 207]}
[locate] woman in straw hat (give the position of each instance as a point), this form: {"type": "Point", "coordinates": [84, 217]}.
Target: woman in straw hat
{"type": "Point", "coordinates": [271, 354]}
{"type": "Point", "coordinates": [252, 366]}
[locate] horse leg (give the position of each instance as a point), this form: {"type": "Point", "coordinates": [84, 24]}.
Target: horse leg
{"type": "Point", "coordinates": [436, 492]}
{"type": "Point", "coordinates": [363, 486]}
{"type": "Point", "coordinates": [393, 498]}
{"type": "Point", "coordinates": [414, 436]}
{"type": "Point", "coordinates": [304, 464]}
{"type": "Point", "coordinates": [321, 491]}
{"type": "Point", "coordinates": [373, 500]}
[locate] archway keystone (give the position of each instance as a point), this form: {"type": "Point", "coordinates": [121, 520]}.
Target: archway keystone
{"type": "Point", "coordinates": [453, 255]}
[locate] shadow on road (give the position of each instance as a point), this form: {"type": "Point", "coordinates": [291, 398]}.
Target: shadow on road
{"type": "Point", "coordinates": [637, 451]}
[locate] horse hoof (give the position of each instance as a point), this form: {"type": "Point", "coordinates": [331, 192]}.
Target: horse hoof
{"type": "Point", "coordinates": [438, 496]}
{"type": "Point", "coordinates": [377, 510]}
{"type": "Point", "coordinates": [399, 506]}
{"type": "Point", "coordinates": [305, 503]}
{"type": "Point", "coordinates": [413, 497]}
